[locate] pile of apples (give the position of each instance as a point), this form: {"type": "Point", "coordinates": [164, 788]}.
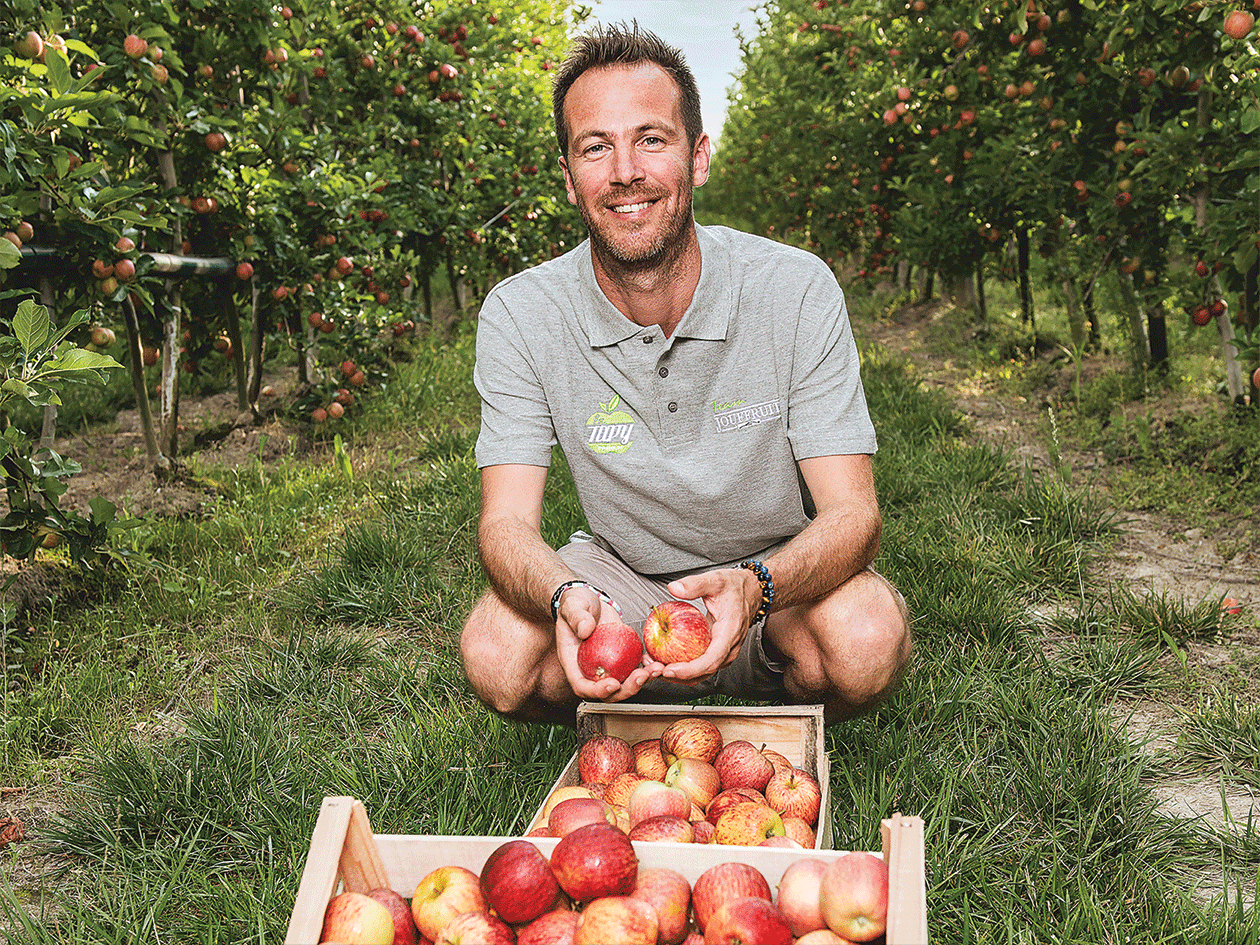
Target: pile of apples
{"type": "Point", "coordinates": [592, 891]}
{"type": "Point", "coordinates": [687, 786]}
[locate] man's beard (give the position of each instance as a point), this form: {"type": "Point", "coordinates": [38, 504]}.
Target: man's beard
{"type": "Point", "coordinates": [633, 256]}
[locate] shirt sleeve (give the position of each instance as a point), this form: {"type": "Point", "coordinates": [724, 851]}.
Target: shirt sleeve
{"type": "Point", "coordinates": [827, 411]}
{"type": "Point", "coordinates": [516, 422]}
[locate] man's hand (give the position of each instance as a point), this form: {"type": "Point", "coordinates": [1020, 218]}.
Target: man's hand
{"type": "Point", "coordinates": [726, 596]}
{"type": "Point", "coordinates": [580, 611]}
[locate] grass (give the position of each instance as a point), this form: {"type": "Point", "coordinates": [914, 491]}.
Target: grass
{"type": "Point", "coordinates": [186, 718]}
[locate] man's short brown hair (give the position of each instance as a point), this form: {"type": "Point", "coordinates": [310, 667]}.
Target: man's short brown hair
{"type": "Point", "coordinates": [621, 45]}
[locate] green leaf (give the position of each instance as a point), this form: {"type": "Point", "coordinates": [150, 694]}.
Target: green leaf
{"type": "Point", "coordinates": [58, 69]}
{"type": "Point", "coordinates": [103, 511]}
{"type": "Point", "coordinates": [1249, 121]}
{"type": "Point", "coordinates": [10, 257]}
{"type": "Point", "coordinates": [17, 387]}
{"type": "Point", "coordinates": [31, 326]}
{"type": "Point", "coordinates": [70, 358]}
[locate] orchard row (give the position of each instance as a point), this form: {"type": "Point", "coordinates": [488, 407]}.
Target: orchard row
{"type": "Point", "coordinates": [959, 136]}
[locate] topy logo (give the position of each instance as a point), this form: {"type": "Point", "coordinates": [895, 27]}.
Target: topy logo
{"type": "Point", "coordinates": [609, 430]}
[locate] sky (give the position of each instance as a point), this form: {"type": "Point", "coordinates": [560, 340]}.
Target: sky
{"type": "Point", "coordinates": [705, 32]}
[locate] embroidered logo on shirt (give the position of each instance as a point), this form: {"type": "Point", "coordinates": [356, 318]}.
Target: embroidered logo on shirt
{"type": "Point", "coordinates": [609, 430]}
{"type": "Point", "coordinates": [740, 413]}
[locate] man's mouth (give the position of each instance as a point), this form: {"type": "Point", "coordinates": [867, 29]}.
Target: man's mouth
{"type": "Point", "coordinates": [631, 207]}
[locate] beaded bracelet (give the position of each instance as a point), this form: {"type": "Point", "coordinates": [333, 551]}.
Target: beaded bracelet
{"type": "Point", "coordinates": [767, 587]}
{"type": "Point", "coordinates": [555, 598]}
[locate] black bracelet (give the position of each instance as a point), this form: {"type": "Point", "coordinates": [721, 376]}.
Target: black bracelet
{"type": "Point", "coordinates": [555, 598]}
{"type": "Point", "coordinates": [767, 587]}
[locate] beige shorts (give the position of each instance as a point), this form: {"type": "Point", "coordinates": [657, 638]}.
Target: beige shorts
{"type": "Point", "coordinates": [752, 675]}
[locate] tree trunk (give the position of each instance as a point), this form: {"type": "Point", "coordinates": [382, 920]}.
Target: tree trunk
{"type": "Point", "coordinates": [138, 383]}
{"type": "Point", "coordinates": [982, 306]}
{"type": "Point", "coordinates": [1025, 287]}
{"type": "Point", "coordinates": [1140, 346]}
{"type": "Point", "coordinates": [1076, 319]}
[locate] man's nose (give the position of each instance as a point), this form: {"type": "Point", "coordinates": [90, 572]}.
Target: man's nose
{"type": "Point", "coordinates": [627, 166]}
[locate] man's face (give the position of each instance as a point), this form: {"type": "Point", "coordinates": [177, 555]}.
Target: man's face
{"type": "Point", "coordinates": [630, 170]}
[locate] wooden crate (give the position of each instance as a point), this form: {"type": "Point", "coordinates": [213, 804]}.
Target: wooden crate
{"type": "Point", "coordinates": [795, 731]}
{"type": "Point", "coordinates": [346, 855]}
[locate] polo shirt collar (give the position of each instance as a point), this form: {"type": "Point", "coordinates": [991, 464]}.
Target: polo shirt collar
{"type": "Point", "coordinates": [708, 316]}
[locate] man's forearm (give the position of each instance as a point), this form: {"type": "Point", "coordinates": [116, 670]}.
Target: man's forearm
{"type": "Point", "coordinates": [836, 545]}
{"type": "Point", "coordinates": [522, 568]}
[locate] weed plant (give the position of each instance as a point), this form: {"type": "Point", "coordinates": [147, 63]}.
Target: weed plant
{"type": "Point", "coordinates": [300, 640]}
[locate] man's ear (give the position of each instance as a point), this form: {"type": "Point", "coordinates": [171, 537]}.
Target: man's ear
{"type": "Point", "coordinates": [700, 161]}
{"type": "Point", "coordinates": [568, 180]}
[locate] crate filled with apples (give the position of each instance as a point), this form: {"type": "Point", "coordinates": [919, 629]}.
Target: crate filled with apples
{"type": "Point", "coordinates": [696, 774]}
{"type": "Point", "coordinates": [597, 886]}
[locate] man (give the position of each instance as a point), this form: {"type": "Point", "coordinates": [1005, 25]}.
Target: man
{"type": "Point", "coordinates": [703, 385]}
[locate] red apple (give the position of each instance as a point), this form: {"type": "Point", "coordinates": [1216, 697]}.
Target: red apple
{"type": "Point", "coordinates": [668, 892]}
{"type": "Point", "coordinates": [30, 46]}
{"type": "Point", "coordinates": [244, 271]}
{"type": "Point", "coordinates": [853, 896]}
{"type": "Point", "coordinates": [727, 799]}
{"type": "Point", "coordinates": [216, 141]}
{"type": "Point", "coordinates": [556, 927]}
{"type": "Point", "coordinates": [602, 757]}
{"type": "Point", "coordinates": [740, 764]}
{"type": "Point", "coordinates": [1238, 24]}
{"type": "Point", "coordinates": [612, 649]}
{"type": "Point", "coordinates": [620, 919]}
{"type": "Point", "coordinates": [703, 830]}
{"type": "Point", "coordinates": [648, 760]}
{"type": "Point", "coordinates": [441, 895]}
{"type": "Point", "coordinates": [747, 919]}
{"type": "Point", "coordinates": [690, 737]}
{"type": "Point", "coordinates": [405, 932]}
{"type": "Point", "coordinates": [698, 778]}
{"type": "Point", "coordinates": [747, 824]}
{"type": "Point", "coordinates": [676, 632]}
{"type": "Point", "coordinates": [781, 841]}
{"type": "Point", "coordinates": [657, 799]}
{"type": "Point", "coordinates": [799, 830]}
{"type": "Point", "coordinates": [568, 816]}
{"type": "Point", "coordinates": [621, 787]}
{"type": "Point", "coordinates": [344, 265]}
{"type": "Point", "coordinates": [723, 882]}
{"type": "Point", "coordinates": [134, 46]}
{"type": "Point", "coordinates": [593, 861]}
{"type": "Point", "coordinates": [476, 928]}
{"type": "Point", "coordinates": [124, 270]}
{"type": "Point", "coordinates": [795, 793]}
{"type": "Point", "coordinates": [667, 827]}
{"type": "Point", "coordinates": [517, 882]}
{"type": "Point", "coordinates": [798, 897]}
{"type": "Point", "coordinates": [355, 919]}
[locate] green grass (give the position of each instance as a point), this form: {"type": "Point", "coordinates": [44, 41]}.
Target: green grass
{"type": "Point", "coordinates": [298, 640]}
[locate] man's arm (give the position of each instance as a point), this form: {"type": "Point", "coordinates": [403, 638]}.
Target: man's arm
{"type": "Point", "coordinates": [842, 539]}
{"type": "Point", "coordinates": [525, 572]}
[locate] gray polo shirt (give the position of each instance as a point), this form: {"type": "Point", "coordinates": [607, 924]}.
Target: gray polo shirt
{"type": "Point", "coordinates": [683, 449]}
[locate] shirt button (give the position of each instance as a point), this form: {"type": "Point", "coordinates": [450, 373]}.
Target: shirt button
{"type": "Point", "coordinates": [663, 372]}
{"type": "Point", "coordinates": [647, 339]}
{"type": "Point", "coordinates": [673, 407]}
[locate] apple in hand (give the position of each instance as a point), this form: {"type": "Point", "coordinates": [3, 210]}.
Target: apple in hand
{"type": "Point", "coordinates": [405, 932]}
{"type": "Point", "coordinates": [745, 920]}
{"type": "Point", "coordinates": [669, 893]}
{"type": "Point", "coordinates": [676, 632]}
{"type": "Point", "coordinates": [602, 757]}
{"type": "Point", "coordinates": [476, 928]}
{"type": "Point", "coordinates": [356, 919]}
{"type": "Point", "coordinates": [798, 898]}
{"type": "Point", "coordinates": [853, 896]}
{"type": "Point", "coordinates": [741, 764]}
{"type": "Point", "coordinates": [747, 824]}
{"type": "Point", "coordinates": [612, 649]}
{"type": "Point", "coordinates": [441, 895]}
{"type": "Point", "coordinates": [517, 882]}
{"type": "Point", "coordinates": [620, 919]}
{"type": "Point", "coordinates": [723, 882]}
{"type": "Point", "coordinates": [690, 737]}
{"type": "Point", "coordinates": [795, 793]}
{"type": "Point", "coordinates": [556, 927]}
{"type": "Point", "coordinates": [593, 861]}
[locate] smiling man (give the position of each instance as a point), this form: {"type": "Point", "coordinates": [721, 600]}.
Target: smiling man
{"type": "Point", "coordinates": [704, 387]}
